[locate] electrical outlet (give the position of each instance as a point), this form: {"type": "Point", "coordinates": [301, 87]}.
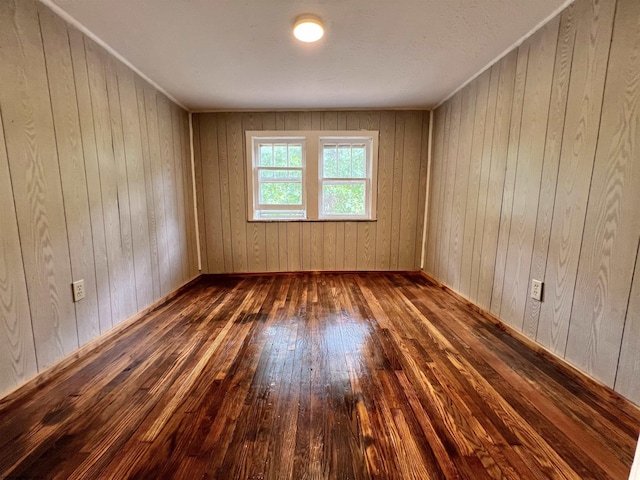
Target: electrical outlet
{"type": "Point", "coordinates": [78, 290]}
{"type": "Point", "coordinates": [536, 290]}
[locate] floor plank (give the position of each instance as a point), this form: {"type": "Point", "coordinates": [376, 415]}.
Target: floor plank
{"type": "Point", "coordinates": [316, 375]}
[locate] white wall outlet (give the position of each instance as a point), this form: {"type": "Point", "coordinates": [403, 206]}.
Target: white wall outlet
{"type": "Point", "coordinates": [78, 290]}
{"type": "Point", "coordinates": [536, 290]}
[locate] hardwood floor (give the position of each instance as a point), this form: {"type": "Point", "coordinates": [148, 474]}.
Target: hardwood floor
{"type": "Point", "coordinates": [309, 376]}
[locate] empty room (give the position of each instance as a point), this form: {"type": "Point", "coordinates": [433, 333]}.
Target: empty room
{"type": "Point", "coordinates": [319, 239]}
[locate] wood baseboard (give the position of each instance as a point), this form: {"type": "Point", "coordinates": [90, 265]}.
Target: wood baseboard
{"type": "Point", "coordinates": [548, 355]}
{"type": "Point", "coordinates": [314, 272]}
{"type": "Point", "coordinates": [88, 348]}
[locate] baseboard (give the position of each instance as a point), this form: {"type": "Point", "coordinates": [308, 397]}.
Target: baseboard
{"type": "Point", "coordinates": [548, 355]}
{"type": "Point", "coordinates": [88, 348]}
{"type": "Point", "coordinates": [314, 272]}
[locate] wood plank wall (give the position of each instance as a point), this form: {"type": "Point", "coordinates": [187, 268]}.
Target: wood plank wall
{"type": "Point", "coordinates": [95, 184]}
{"type": "Point", "coordinates": [544, 149]}
{"type": "Point", "coordinates": [231, 244]}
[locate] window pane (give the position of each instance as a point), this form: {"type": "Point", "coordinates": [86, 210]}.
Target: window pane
{"type": "Point", "coordinates": [281, 193]}
{"type": "Point", "coordinates": [359, 161]}
{"type": "Point", "coordinates": [295, 155]}
{"type": "Point", "coordinates": [266, 174]}
{"type": "Point", "coordinates": [266, 155]}
{"type": "Point", "coordinates": [280, 154]}
{"type": "Point", "coordinates": [343, 199]}
{"type": "Point", "coordinates": [344, 161]}
{"type": "Point", "coordinates": [330, 161]}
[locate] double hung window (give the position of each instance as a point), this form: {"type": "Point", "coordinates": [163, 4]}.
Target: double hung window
{"type": "Point", "coordinates": [312, 175]}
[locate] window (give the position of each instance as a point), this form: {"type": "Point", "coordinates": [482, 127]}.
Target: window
{"type": "Point", "coordinates": [312, 175]}
{"type": "Point", "coordinates": [279, 174]}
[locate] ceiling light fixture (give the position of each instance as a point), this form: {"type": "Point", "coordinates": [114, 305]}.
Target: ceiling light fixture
{"type": "Point", "coordinates": [308, 28]}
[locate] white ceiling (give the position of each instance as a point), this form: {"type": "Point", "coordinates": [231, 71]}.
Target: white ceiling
{"type": "Point", "coordinates": [241, 54]}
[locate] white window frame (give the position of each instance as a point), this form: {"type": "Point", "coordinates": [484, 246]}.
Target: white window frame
{"type": "Point", "coordinates": [256, 169]}
{"type": "Point", "coordinates": [369, 205]}
{"type": "Point", "coordinates": [312, 178]}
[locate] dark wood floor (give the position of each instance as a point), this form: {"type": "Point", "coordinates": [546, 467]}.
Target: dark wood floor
{"type": "Point", "coordinates": [342, 376]}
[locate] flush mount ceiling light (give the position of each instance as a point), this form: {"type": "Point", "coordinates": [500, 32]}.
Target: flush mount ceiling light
{"type": "Point", "coordinates": [308, 28]}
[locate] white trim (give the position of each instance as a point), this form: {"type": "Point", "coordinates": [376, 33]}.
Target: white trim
{"type": "Point", "coordinates": [75, 23]}
{"type": "Point", "coordinates": [513, 46]}
{"type": "Point", "coordinates": [195, 195]}
{"type": "Point", "coordinates": [426, 199]}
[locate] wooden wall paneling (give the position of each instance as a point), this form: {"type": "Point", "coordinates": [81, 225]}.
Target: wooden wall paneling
{"type": "Point", "coordinates": [72, 170]}
{"type": "Point", "coordinates": [582, 124]}
{"type": "Point", "coordinates": [329, 234]}
{"type": "Point", "coordinates": [157, 184]}
{"type": "Point", "coordinates": [435, 190]}
{"type": "Point", "coordinates": [551, 160]}
{"type": "Point", "coordinates": [317, 245]}
{"type": "Point", "coordinates": [629, 366]}
{"type": "Point", "coordinates": [293, 246]}
{"type": "Point", "coordinates": [35, 174]}
{"type": "Point", "coordinates": [214, 219]}
{"type": "Point", "coordinates": [126, 272]}
{"type": "Point", "coordinates": [237, 194]}
{"type": "Point", "coordinates": [500, 256]}
{"type": "Point", "coordinates": [199, 186]}
{"type": "Point", "coordinates": [461, 184]}
{"type": "Point", "coordinates": [92, 173]}
{"type": "Point", "coordinates": [17, 351]}
{"type": "Point", "coordinates": [223, 174]}
{"type": "Point", "coordinates": [340, 244]}
{"type": "Point", "coordinates": [294, 229]}
{"type": "Point", "coordinates": [506, 125]}
{"type": "Point", "coordinates": [137, 187]}
{"type": "Point", "coordinates": [396, 196]}
{"type": "Point", "coordinates": [473, 197]}
{"type": "Point", "coordinates": [180, 190]}
{"type": "Point", "coordinates": [107, 175]}
{"type": "Point", "coordinates": [165, 129]}
{"type": "Point", "coordinates": [329, 230]}
{"type": "Point", "coordinates": [178, 196]}
{"type": "Point", "coordinates": [306, 246]}
{"type": "Point", "coordinates": [271, 228]}
{"type": "Point", "coordinates": [187, 174]}
{"type": "Point", "coordinates": [422, 191]}
{"type": "Point", "coordinates": [452, 159]}
{"type": "Point", "coordinates": [367, 230]}
{"type": "Point", "coordinates": [488, 213]}
{"type": "Point", "coordinates": [283, 253]}
{"type": "Point", "coordinates": [439, 245]}
{"type": "Point", "coordinates": [256, 246]}
{"type": "Point", "coordinates": [149, 188]}
{"type": "Point", "coordinates": [535, 114]}
{"type": "Point", "coordinates": [612, 225]}
{"type": "Point", "coordinates": [350, 245]}
{"type": "Point", "coordinates": [412, 151]}
{"type": "Point", "coordinates": [385, 189]}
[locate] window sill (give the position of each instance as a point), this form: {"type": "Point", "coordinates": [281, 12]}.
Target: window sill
{"type": "Point", "coordinates": [313, 220]}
